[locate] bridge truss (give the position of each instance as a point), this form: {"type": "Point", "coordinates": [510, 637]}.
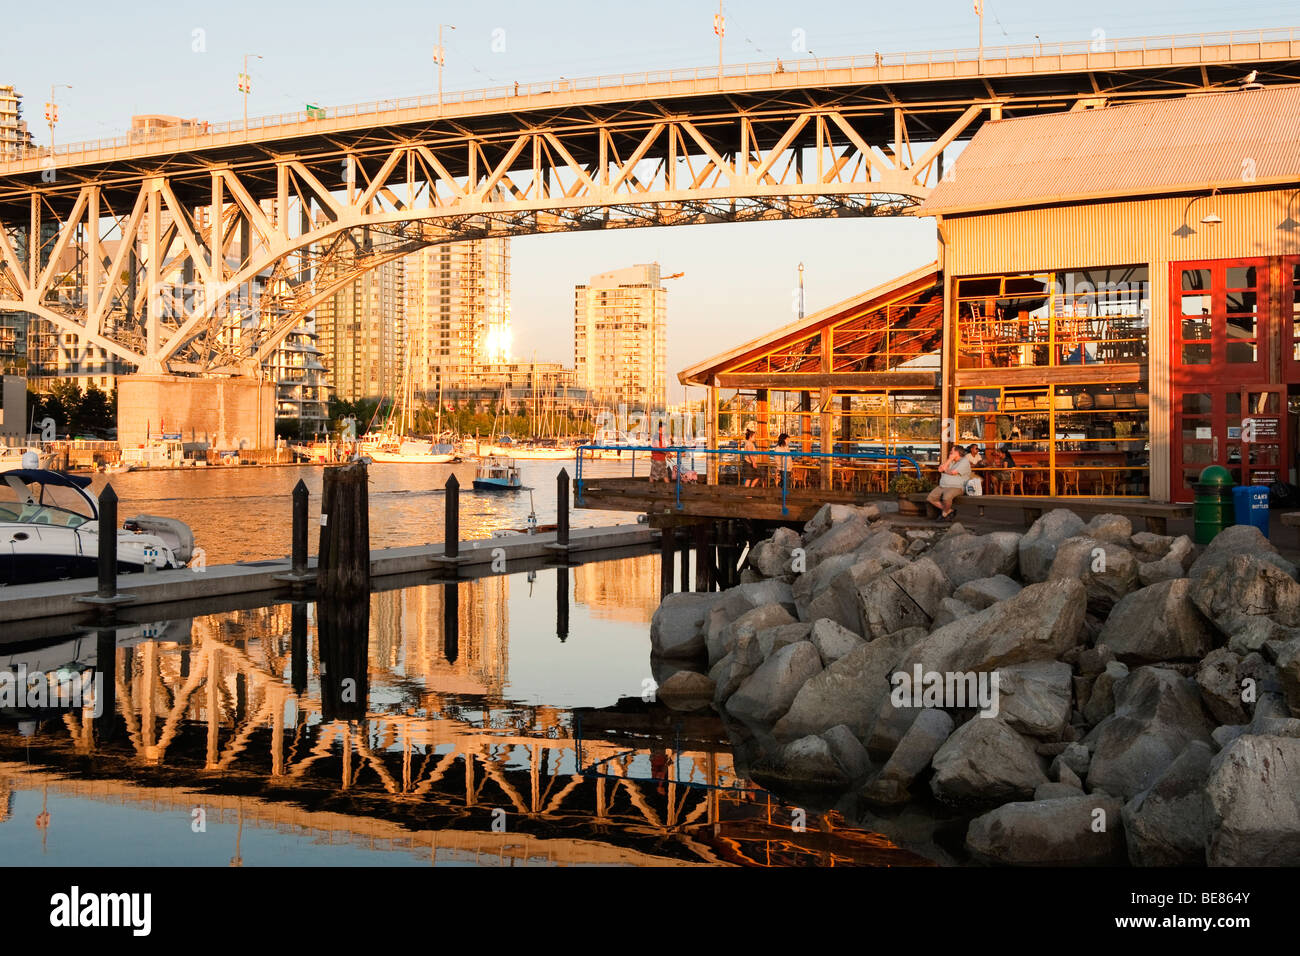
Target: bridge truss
{"type": "Point", "coordinates": [201, 255]}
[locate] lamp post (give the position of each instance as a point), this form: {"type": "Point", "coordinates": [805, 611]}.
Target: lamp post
{"type": "Point", "coordinates": [246, 85]}
{"type": "Point", "coordinates": [440, 57]}
{"type": "Point", "coordinates": [720, 28]}
{"type": "Point", "coordinates": [979, 12]}
{"type": "Point", "coordinates": [52, 111]}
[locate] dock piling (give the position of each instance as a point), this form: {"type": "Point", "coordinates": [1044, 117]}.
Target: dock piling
{"type": "Point", "coordinates": [300, 528]}
{"type": "Point", "coordinates": [562, 603]}
{"type": "Point", "coordinates": [562, 508]}
{"type": "Point", "coordinates": [684, 556]}
{"type": "Point", "coordinates": [451, 528]}
{"type": "Point", "coordinates": [107, 543]}
{"type": "Point", "coordinates": [665, 562]}
{"type": "Point", "coordinates": [343, 568]}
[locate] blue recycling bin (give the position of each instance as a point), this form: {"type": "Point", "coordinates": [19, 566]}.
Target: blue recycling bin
{"type": "Point", "coordinates": [1250, 504]}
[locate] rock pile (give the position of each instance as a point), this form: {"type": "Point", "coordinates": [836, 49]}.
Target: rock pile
{"type": "Point", "coordinates": [1083, 693]}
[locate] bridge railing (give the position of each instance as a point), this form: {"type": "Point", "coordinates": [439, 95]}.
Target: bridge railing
{"type": "Point", "coordinates": [679, 452]}
{"type": "Point", "coordinates": [201, 132]}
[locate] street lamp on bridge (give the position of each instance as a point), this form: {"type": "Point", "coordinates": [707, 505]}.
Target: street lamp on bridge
{"type": "Point", "coordinates": [246, 85]}
{"type": "Point", "coordinates": [52, 111]}
{"type": "Point", "coordinates": [440, 57]}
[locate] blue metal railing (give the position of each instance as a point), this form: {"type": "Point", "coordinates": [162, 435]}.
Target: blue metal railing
{"type": "Point", "coordinates": [679, 451]}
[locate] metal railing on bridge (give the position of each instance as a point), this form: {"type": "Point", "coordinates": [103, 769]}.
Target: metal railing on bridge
{"type": "Point", "coordinates": [680, 451]}
{"type": "Point", "coordinates": [1038, 51]}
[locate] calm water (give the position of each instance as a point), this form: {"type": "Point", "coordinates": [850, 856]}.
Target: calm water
{"type": "Point", "coordinates": [493, 722]}
{"type": "Point", "coordinates": [243, 513]}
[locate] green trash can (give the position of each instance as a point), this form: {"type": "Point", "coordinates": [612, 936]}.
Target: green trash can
{"type": "Point", "coordinates": [1212, 509]}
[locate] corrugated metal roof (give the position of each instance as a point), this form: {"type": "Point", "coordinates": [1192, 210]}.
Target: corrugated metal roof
{"type": "Point", "coordinates": [1238, 138]}
{"type": "Point", "coordinates": [701, 372]}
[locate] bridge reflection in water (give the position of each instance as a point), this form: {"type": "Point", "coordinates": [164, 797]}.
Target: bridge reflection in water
{"type": "Point", "coordinates": [399, 725]}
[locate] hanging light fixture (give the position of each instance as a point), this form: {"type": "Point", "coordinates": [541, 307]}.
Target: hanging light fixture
{"type": "Point", "coordinates": [1211, 218]}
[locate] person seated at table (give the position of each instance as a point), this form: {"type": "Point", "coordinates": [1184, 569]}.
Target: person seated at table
{"type": "Point", "coordinates": [953, 475]}
{"type": "Point", "coordinates": [1003, 465]}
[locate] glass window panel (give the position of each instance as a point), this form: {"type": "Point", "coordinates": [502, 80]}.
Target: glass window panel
{"type": "Point", "coordinates": [1263, 403]}
{"type": "Point", "coordinates": [979, 287]}
{"type": "Point", "coordinates": [1242, 277]}
{"type": "Point", "coordinates": [1242, 353]}
{"type": "Point", "coordinates": [1243, 302]}
{"type": "Point", "coordinates": [1194, 279]}
{"type": "Point", "coordinates": [1193, 329]}
{"type": "Point", "coordinates": [1196, 354]}
{"type": "Point", "coordinates": [1196, 305]}
{"type": "Point", "coordinates": [1232, 404]}
{"type": "Point", "coordinates": [1241, 327]}
{"type": "Point", "coordinates": [1027, 285]}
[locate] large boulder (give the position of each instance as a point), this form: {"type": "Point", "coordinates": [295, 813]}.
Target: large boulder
{"type": "Point", "coordinates": [911, 757]}
{"type": "Point", "coordinates": [686, 690]}
{"type": "Point", "coordinates": [841, 538]}
{"type": "Point", "coordinates": [832, 514]}
{"type": "Point", "coordinates": [1168, 825]}
{"type": "Point", "coordinates": [1101, 698]}
{"type": "Point", "coordinates": [950, 609]}
{"type": "Point", "coordinates": [753, 621]}
{"type": "Point", "coordinates": [1288, 670]}
{"type": "Point", "coordinates": [768, 692]}
{"type": "Point", "coordinates": [847, 751]}
{"type": "Point", "coordinates": [734, 602]}
{"type": "Point", "coordinates": [1220, 688]}
{"type": "Point", "coordinates": [1042, 622]}
{"type": "Point", "coordinates": [809, 584]}
{"type": "Point", "coordinates": [832, 640]}
{"type": "Point", "coordinates": [965, 557]}
{"type": "Point", "coordinates": [1239, 539]}
{"type": "Point", "coordinates": [1157, 714]}
{"type": "Point", "coordinates": [908, 597]}
{"type": "Point", "coordinates": [1035, 698]}
{"type": "Point", "coordinates": [1254, 813]}
{"type": "Point", "coordinates": [1108, 570]}
{"type": "Point", "coordinates": [848, 692]}
{"type": "Point", "coordinates": [1039, 544]}
{"type": "Point", "coordinates": [838, 600]}
{"type": "Point", "coordinates": [1244, 586]}
{"type": "Point", "coordinates": [979, 593]}
{"type": "Point", "coordinates": [771, 558]}
{"type": "Point", "coordinates": [772, 639]}
{"type": "Point", "coordinates": [1065, 831]}
{"type": "Point", "coordinates": [984, 762]}
{"type": "Point", "coordinates": [1117, 529]}
{"type": "Point", "coordinates": [1158, 623]}
{"type": "Point", "coordinates": [806, 764]}
{"type": "Point", "coordinates": [677, 629]}
{"type": "Point", "coordinates": [730, 672]}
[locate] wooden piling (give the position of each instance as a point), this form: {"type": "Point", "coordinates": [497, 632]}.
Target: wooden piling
{"type": "Point", "coordinates": [684, 556]}
{"type": "Point", "coordinates": [562, 508]}
{"type": "Point", "coordinates": [701, 565]}
{"type": "Point", "coordinates": [665, 563]}
{"type": "Point", "coordinates": [107, 543]}
{"type": "Point", "coordinates": [451, 522]}
{"type": "Point", "coordinates": [299, 556]}
{"type": "Point", "coordinates": [106, 689]}
{"type": "Point", "coordinates": [343, 568]}
{"type": "Point", "coordinates": [343, 650]}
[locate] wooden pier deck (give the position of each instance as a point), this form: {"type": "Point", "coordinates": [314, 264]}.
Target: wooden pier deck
{"type": "Point", "coordinates": [659, 500]}
{"type": "Point", "coordinates": [183, 591]}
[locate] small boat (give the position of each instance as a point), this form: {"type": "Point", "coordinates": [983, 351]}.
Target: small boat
{"type": "Point", "coordinates": [118, 468]}
{"type": "Point", "coordinates": [497, 474]}
{"type": "Point", "coordinates": [12, 456]}
{"type": "Point", "coordinates": [49, 531]}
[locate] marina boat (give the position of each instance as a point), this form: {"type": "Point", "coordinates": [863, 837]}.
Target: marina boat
{"type": "Point", "coordinates": [532, 451]}
{"type": "Point", "coordinates": [49, 531]}
{"type": "Point", "coordinates": [497, 473]}
{"type": "Point", "coordinates": [11, 456]}
{"type": "Point", "coordinates": [410, 452]}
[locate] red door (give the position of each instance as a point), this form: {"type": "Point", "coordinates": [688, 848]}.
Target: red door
{"type": "Point", "coordinates": [1242, 428]}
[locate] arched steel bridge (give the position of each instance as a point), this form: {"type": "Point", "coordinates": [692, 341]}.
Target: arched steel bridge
{"type": "Point", "coordinates": [236, 232]}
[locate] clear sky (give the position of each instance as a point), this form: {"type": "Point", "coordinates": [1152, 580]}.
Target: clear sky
{"type": "Point", "coordinates": [181, 57]}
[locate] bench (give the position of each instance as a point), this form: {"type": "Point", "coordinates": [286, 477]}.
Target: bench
{"type": "Point", "coordinates": [1156, 514]}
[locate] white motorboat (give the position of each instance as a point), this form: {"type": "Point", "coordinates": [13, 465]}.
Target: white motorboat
{"type": "Point", "coordinates": [497, 474]}
{"type": "Point", "coordinates": [12, 456]}
{"type": "Point", "coordinates": [49, 531]}
{"type": "Point", "coordinates": [411, 452]}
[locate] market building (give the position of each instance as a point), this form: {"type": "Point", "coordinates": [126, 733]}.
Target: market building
{"type": "Point", "coordinates": [1114, 305]}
